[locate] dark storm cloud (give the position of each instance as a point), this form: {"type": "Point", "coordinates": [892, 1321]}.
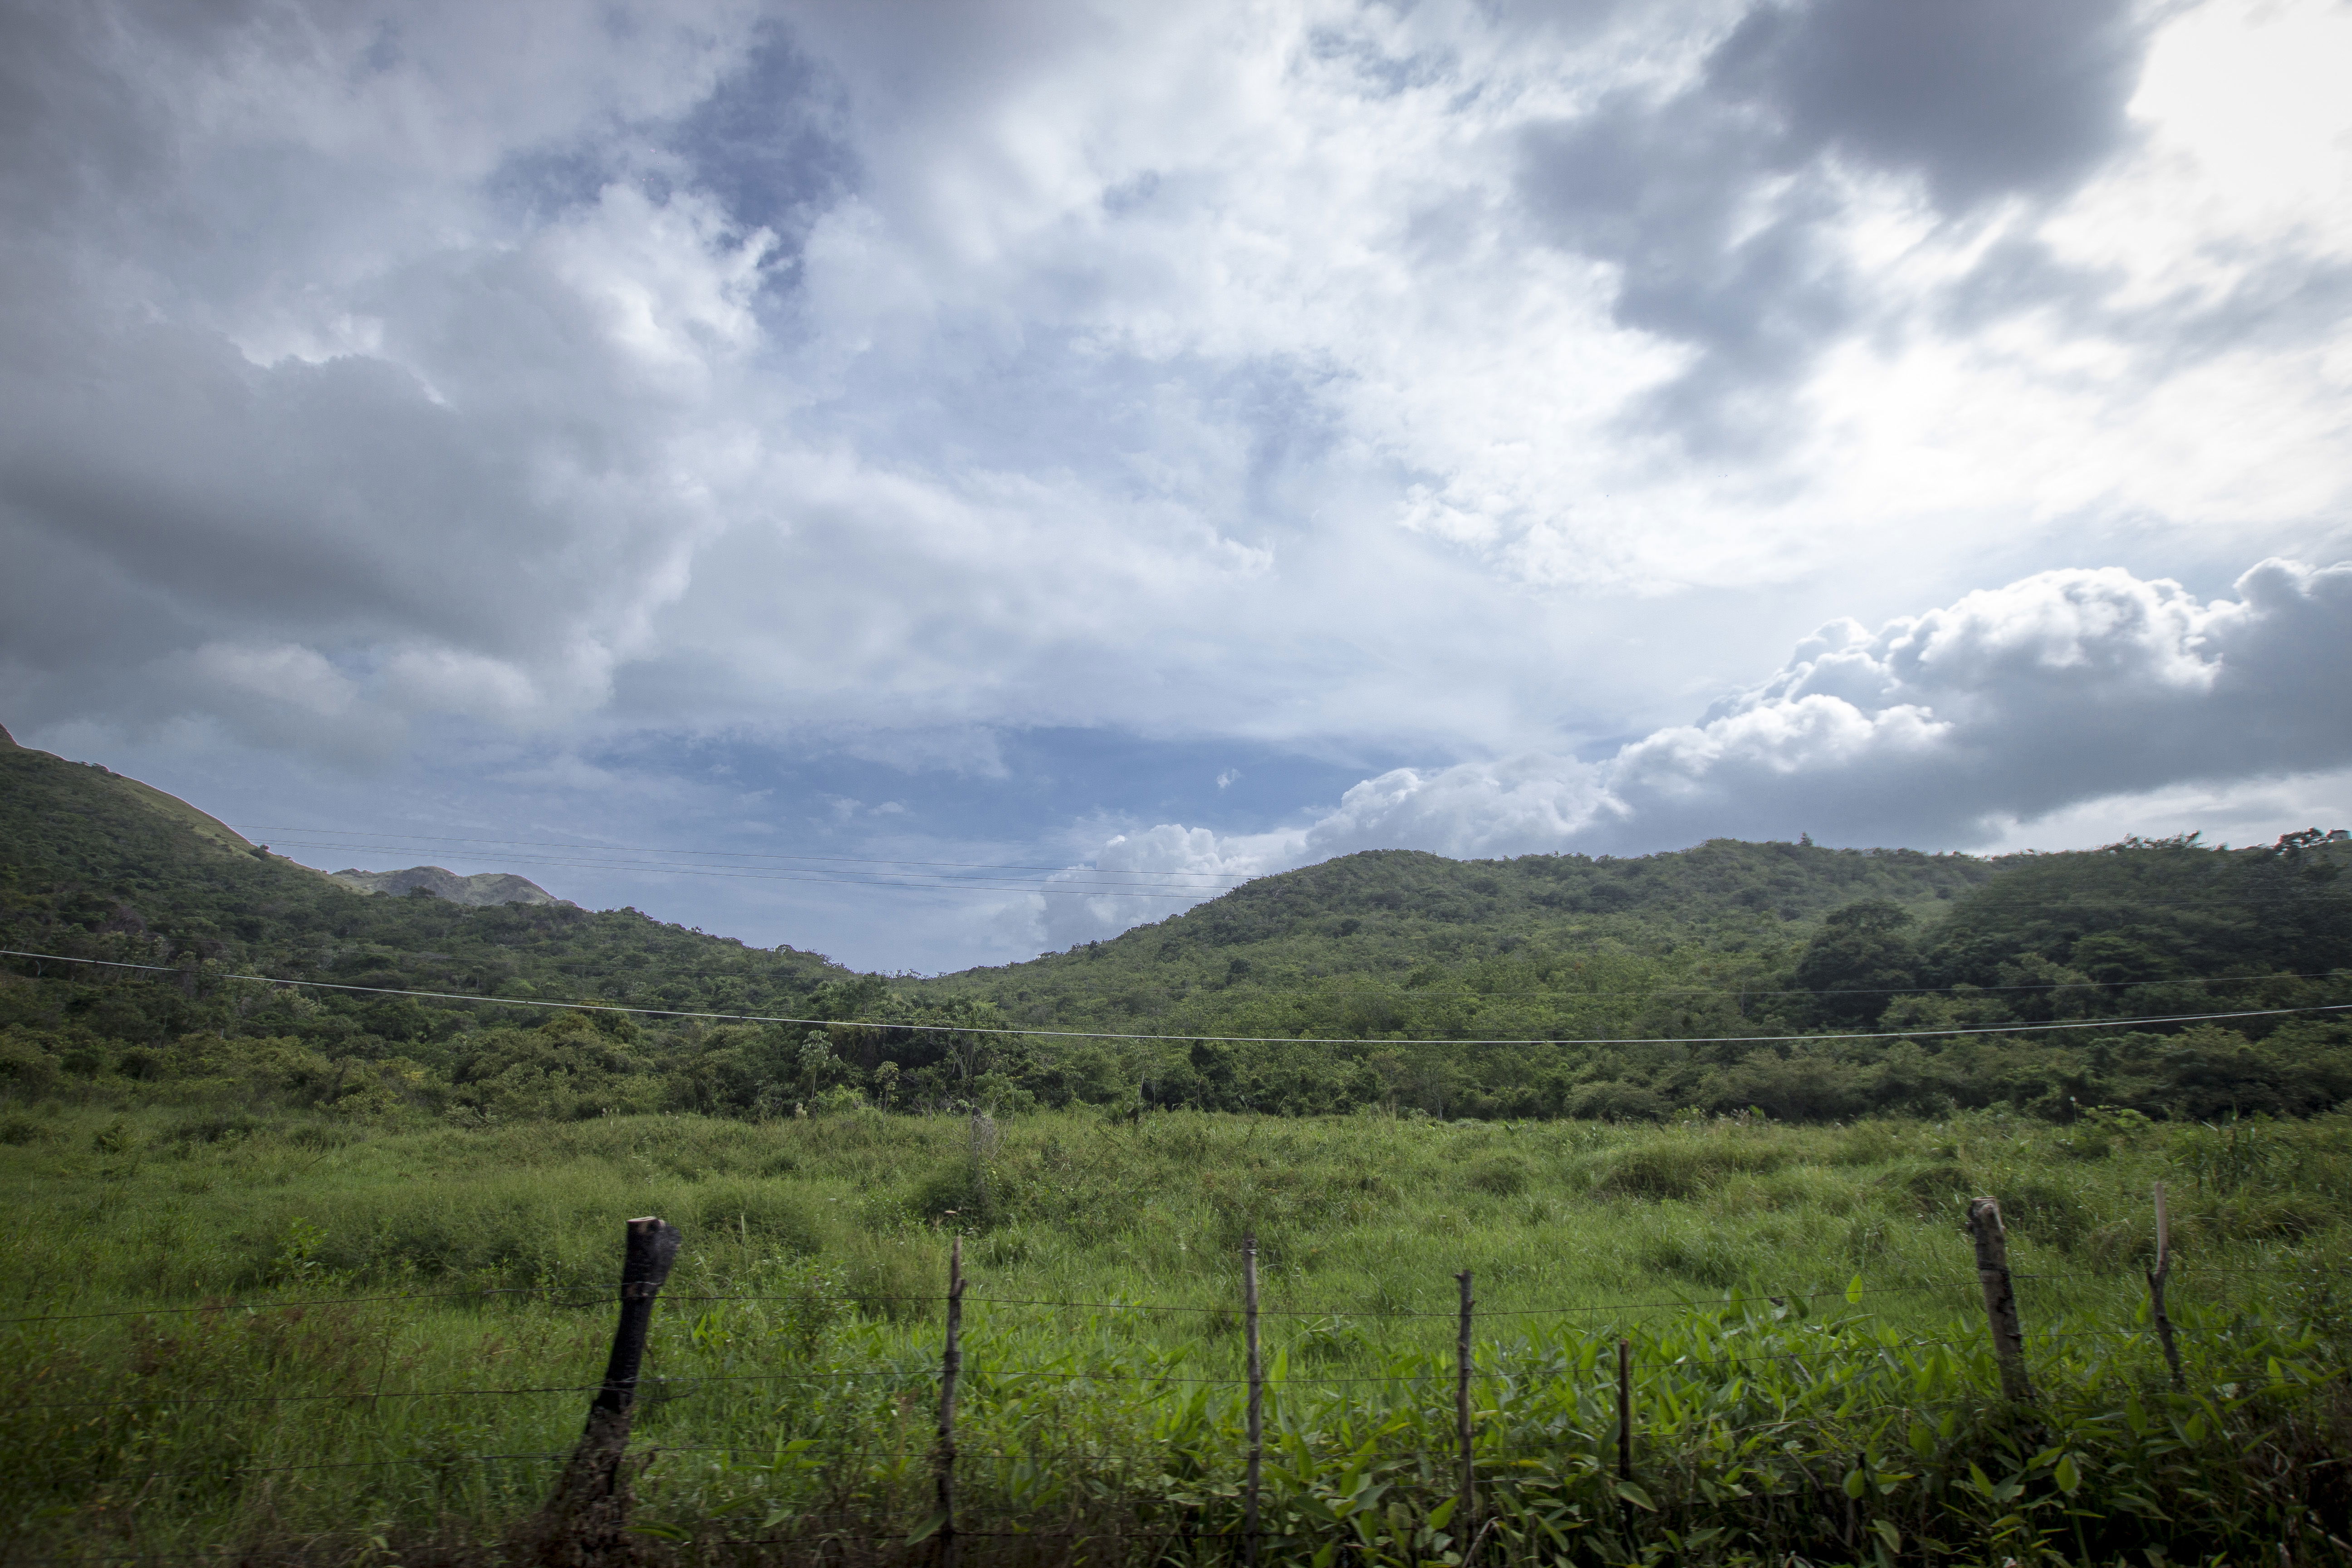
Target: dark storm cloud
{"type": "Point", "coordinates": [1980, 99]}
{"type": "Point", "coordinates": [1720, 203]}
{"type": "Point", "coordinates": [71, 129]}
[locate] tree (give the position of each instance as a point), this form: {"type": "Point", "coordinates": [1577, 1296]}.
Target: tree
{"type": "Point", "coordinates": [1861, 957]}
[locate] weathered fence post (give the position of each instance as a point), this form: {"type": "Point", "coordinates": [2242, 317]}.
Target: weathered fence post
{"type": "Point", "coordinates": [584, 1519]}
{"type": "Point", "coordinates": [1256, 1461]}
{"type": "Point", "coordinates": [2156, 1278]}
{"type": "Point", "coordinates": [1465, 1507]}
{"type": "Point", "coordinates": [950, 1368]}
{"type": "Point", "coordinates": [1999, 1298]}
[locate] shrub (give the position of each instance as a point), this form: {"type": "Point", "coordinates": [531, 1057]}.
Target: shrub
{"type": "Point", "coordinates": [759, 1212]}
{"type": "Point", "coordinates": [1612, 1100]}
{"type": "Point", "coordinates": [25, 1067]}
{"type": "Point", "coordinates": [1503, 1176]}
{"type": "Point", "coordinates": [1933, 1185]}
{"type": "Point", "coordinates": [957, 1190]}
{"type": "Point", "coordinates": [1681, 1170]}
{"type": "Point", "coordinates": [2043, 1211]}
{"type": "Point", "coordinates": [892, 1278]}
{"type": "Point", "coordinates": [1709, 1256]}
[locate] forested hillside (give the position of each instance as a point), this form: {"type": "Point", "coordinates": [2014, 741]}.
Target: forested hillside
{"type": "Point", "coordinates": [1786, 980]}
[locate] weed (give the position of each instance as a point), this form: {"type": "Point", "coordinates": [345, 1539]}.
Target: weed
{"type": "Point", "coordinates": [794, 1360]}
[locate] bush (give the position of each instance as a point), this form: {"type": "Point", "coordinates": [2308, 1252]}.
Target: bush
{"type": "Point", "coordinates": [1503, 1176]}
{"type": "Point", "coordinates": [24, 1068]}
{"type": "Point", "coordinates": [1671, 1171]}
{"type": "Point", "coordinates": [958, 1190]}
{"type": "Point", "coordinates": [892, 1278]}
{"type": "Point", "coordinates": [1612, 1100]}
{"type": "Point", "coordinates": [2044, 1212]}
{"type": "Point", "coordinates": [761, 1213]}
{"type": "Point", "coordinates": [842, 1100]}
{"type": "Point", "coordinates": [1934, 1185]}
{"type": "Point", "coordinates": [1705, 1255]}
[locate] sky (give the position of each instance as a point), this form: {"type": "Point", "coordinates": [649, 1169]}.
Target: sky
{"type": "Point", "coordinates": [934, 483]}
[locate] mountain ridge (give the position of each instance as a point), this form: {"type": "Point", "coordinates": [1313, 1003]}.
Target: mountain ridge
{"type": "Point", "coordinates": [1803, 982]}
{"type": "Point", "coordinates": [483, 887]}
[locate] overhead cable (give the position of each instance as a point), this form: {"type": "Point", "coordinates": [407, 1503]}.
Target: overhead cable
{"type": "Point", "coordinates": [942, 1028]}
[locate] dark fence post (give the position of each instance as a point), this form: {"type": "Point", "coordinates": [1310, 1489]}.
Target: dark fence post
{"type": "Point", "coordinates": [584, 1521]}
{"type": "Point", "coordinates": [1999, 1298]}
{"type": "Point", "coordinates": [1465, 1507]}
{"type": "Point", "coordinates": [1257, 1462]}
{"type": "Point", "coordinates": [2156, 1278]}
{"type": "Point", "coordinates": [950, 1369]}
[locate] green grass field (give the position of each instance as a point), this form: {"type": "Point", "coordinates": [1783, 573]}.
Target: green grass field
{"type": "Point", "coordinates": [1812, 1370]}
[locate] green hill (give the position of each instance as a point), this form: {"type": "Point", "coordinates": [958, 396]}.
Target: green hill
{"type": "Point", "coordinates": [95, 865]}
{"type": "Point", "coordinates": [1302, 953]}
{"type": "Point", "coordinates": [1716, 979]}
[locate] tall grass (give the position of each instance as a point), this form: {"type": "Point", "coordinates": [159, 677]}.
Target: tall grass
{"type": "Point", "coordinates": [1811, 1370]}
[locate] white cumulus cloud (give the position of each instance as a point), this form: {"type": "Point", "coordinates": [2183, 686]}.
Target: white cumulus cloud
{"type": "Point", "coordinates": [2056, 693]}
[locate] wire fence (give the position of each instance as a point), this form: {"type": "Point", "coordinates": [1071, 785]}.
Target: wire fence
{"type": "Point", "coordinates": [1478, 1364]}
{"type": "Point", "coordinates": [556, 1296]}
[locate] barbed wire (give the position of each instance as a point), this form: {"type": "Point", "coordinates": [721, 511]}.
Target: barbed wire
{"type": "Point", "coordinates": [1658, 1424]}
{"type": "Point", "coordinates": [904, 1372]}
{"type": "Point", "coordinates": [606, 1296]}
{"type": "Point", "coordinates": [288, 1303]}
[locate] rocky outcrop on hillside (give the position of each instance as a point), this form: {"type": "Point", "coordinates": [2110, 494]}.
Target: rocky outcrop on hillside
{"type": "Point", "coordinates": [487, 887]}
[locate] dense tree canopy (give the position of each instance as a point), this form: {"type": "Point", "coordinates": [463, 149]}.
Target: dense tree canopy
{"type": "Point", "coordinates": [1786, 980]}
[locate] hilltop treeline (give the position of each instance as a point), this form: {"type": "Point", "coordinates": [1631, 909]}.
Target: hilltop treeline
{"type": "Point", "coordinates": [1729, 978]}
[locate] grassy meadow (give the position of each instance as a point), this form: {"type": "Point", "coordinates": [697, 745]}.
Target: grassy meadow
{"type": "Point", "coordinates": [1811, 1369]}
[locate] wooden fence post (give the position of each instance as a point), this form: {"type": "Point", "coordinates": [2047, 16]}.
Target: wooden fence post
{"type": "Point", "coordinates": [950, 1368]}
{"type": "Point", "coordinates": [1256, 1403]}
{"type": "Point", "coordinates": [1999, 1298]}
{"type": "Point", "coordinates": [1465, 1507]}
{"type": "Point", "coordinates": [584, 1519]}
{"type": "Point", "coordinates": [2156, 1278]}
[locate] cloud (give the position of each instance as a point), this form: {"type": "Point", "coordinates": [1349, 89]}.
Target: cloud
{"type": "Point", "coordinates": [1947, 729]}
{"type": "Point", "coordinates": [808, 367]}
{"type": "Point", "coordinates": [1142, 877]}
{"type": "Point", "coordinates": [2002, 97]}
{"type": "Point", "coordinates": [1729, 205]}
{"type": "Point", "coordinates": [1459, 381]}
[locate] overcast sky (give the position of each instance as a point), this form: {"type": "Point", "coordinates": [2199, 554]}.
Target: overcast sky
{"type": "Point", "coordinates": [939, 444]}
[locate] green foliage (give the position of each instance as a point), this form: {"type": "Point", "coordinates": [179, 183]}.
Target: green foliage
{"type": "Point", "coordinates": [1781, 980]}
{"type": "Point", "coordinates": [1809, 1358]}
{"type": "Point", "coordinates": [1862, 955]}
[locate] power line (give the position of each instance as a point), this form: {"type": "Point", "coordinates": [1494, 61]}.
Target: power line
{"type": "Point", "coordinates": [739, 855]}
{"type": "Point", "coordinates": [938, 1027]}
{"type": "Point", "coordinates": [1741, 994]}
{"type": "Point", "coordinates": [1176, 883]}
{"type": "Point", "coordinates": [837, 880]}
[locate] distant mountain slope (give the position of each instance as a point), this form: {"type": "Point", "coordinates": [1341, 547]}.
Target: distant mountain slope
{"type": "Point", "coordinates": [1317, 942]}
{"type": "Point", "coordinates": [483, 889]}
{"type": "Point", "coordinates": [1538, 986]}
{"type": "Point", "coordinates": [93, 864]}
{"type": "Point", "coordinates": [171, 808]}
